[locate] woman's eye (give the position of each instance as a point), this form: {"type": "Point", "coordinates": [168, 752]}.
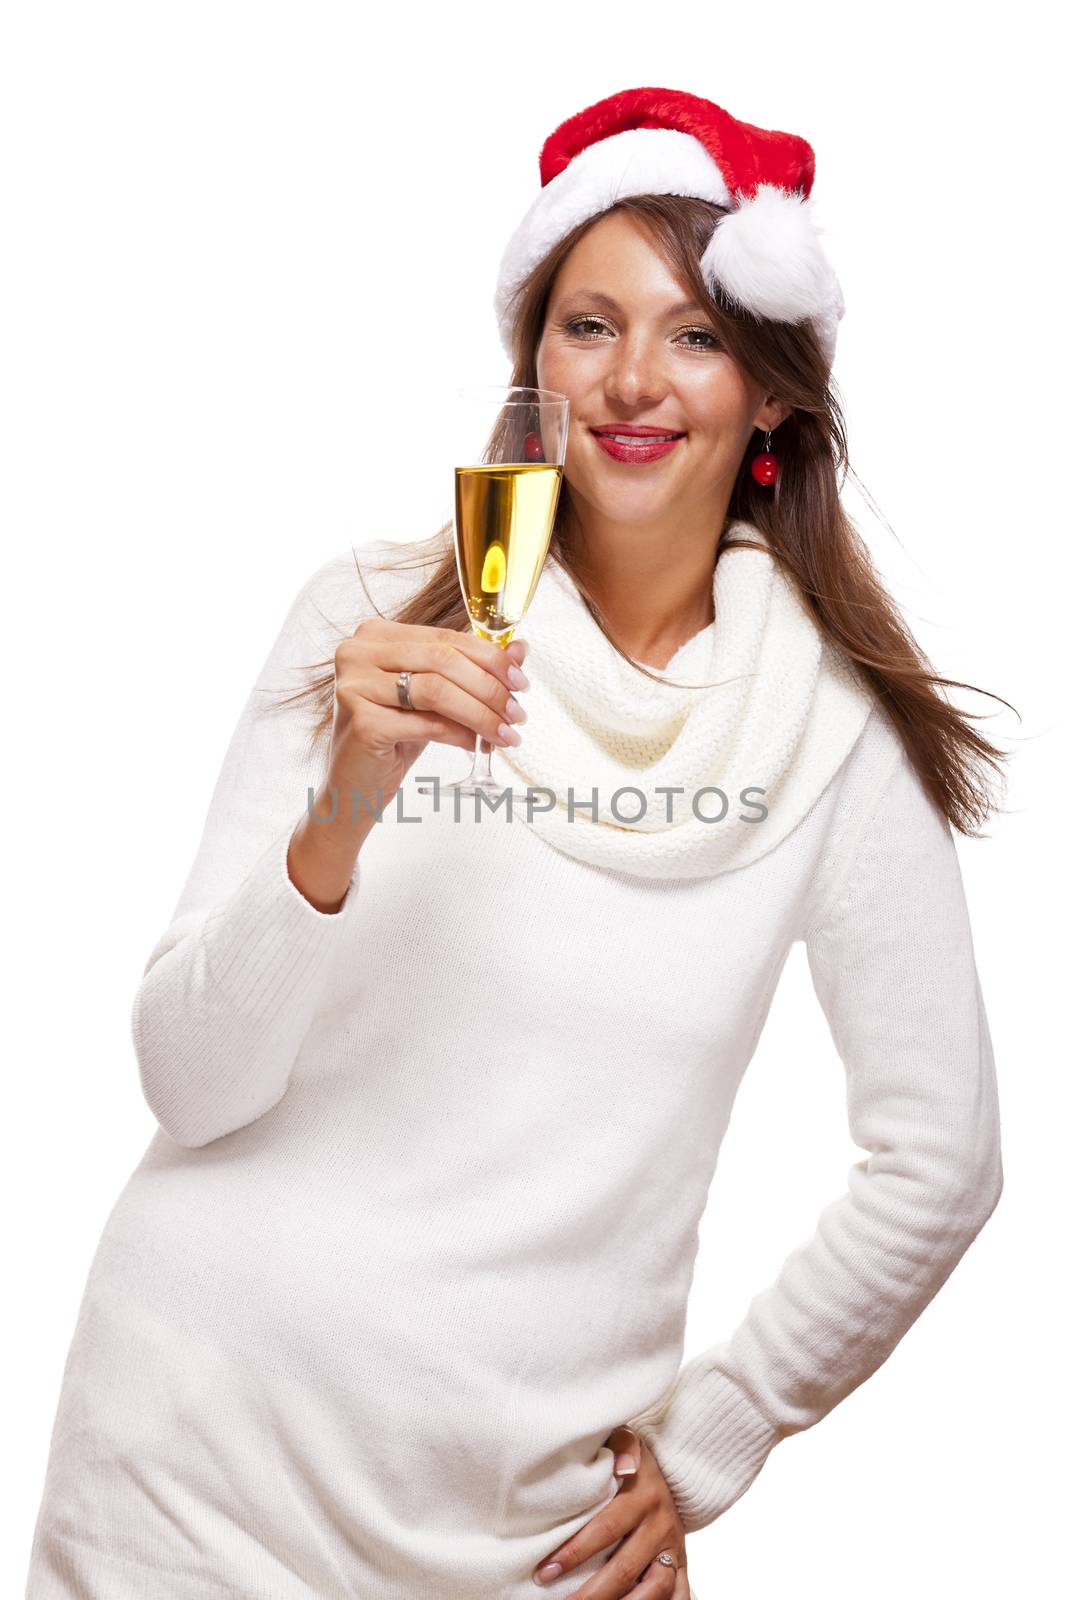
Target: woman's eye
{"type": "Point", "coordinates": [705, 333]}
{"type": "Point", "coordinates": [576, 324]}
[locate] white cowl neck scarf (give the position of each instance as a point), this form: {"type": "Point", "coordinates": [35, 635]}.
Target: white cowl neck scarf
{"type": "Point", "coordinates": [784, 708]}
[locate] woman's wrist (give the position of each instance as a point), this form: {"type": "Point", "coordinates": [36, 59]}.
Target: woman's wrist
{"type": "Point", "coordinates": [323, 850]}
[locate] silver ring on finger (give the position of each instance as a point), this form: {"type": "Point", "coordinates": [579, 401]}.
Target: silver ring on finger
{"type": "Point", "coordinates": [665, 1558]}
{"type": "Point", "coordinates": [403, 691]}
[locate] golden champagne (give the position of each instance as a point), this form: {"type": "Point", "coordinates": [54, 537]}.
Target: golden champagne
{"type": "Point", "coordinates": [504, 518]}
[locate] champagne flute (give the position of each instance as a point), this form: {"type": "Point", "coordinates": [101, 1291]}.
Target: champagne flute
{"type": "Point", "coordinates": [512, 444]}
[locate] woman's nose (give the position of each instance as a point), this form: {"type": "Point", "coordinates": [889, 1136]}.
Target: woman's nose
{"type": "Point", "coordinates": [635, 376]}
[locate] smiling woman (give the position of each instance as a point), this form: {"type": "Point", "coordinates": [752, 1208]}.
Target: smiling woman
{"type": "Point", "coordinates": [405, 1268]}
{"type": "Point", "coordinates": [639, 364]}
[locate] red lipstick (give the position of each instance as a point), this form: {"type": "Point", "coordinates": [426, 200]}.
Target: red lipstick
{"type": "Point", "coordinates": [633, 444]}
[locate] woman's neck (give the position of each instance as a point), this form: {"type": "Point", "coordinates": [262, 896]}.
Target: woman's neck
{"type": "Point", "coordinates": [654, 589]}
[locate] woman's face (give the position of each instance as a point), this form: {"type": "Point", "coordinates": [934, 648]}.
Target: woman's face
{"type": "Point", "coordinates": [622, 343]}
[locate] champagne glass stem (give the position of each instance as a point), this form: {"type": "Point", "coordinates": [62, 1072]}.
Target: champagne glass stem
{"type": "Point", "coordinates": [480, 771]}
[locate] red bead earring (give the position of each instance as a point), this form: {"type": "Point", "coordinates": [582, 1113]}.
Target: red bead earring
{"type": "Point", "coordinates": [765, 466]}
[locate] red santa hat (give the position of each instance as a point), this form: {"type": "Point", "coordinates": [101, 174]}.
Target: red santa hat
{"type": "Point", "coordinates": [765, 255]}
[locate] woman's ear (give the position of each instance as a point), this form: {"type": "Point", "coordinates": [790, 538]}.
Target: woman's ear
{"type": "Point", "coordinates": [771, 414]}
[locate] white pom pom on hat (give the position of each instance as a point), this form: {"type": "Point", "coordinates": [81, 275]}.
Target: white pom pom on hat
{"type": "Point", "coordinates": [764, 255]}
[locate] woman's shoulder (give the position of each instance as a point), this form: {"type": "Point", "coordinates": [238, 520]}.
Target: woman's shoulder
{"type": "Point", "coordinates": [369, 578]}
{"type": "Point", "coordinates": [878, 809]}
{"type": "Point", "coordinates": [878, 751]}
{"type": "Point", "coordinates": [880, 778]}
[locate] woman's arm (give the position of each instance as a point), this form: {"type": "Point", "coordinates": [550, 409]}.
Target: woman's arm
{"type": "Point", "coordinates": [230, 988]}
{"type": "Point", "coordinates": [893, 966]}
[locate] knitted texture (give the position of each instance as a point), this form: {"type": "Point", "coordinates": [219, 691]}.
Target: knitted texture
{"type": "Point", "coordinates": [780, 710]}
{"type": "Point", "coordinates": [416, 1229]}
{"type": "Point", "coordinates": [892, 963]}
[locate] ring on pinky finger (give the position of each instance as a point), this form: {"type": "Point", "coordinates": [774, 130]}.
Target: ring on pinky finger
{"type": "Point", "coordinates": [654, 1582]}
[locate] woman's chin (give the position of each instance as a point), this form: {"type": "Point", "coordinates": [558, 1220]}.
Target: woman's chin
{"type": "Point", "coordinates": [636, 508]}
{"type": "Point", "coordinates": [627, 502]}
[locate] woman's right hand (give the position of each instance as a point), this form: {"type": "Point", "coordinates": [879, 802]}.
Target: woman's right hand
{"type": "Point", "coordinates": [459, 688]}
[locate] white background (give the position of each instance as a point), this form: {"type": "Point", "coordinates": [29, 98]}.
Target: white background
{"type": "Point", "coordinates": [246, 245]}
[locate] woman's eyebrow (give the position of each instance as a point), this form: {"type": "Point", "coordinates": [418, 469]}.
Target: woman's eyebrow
{"type": "Point", "coordinates": [605, 300]}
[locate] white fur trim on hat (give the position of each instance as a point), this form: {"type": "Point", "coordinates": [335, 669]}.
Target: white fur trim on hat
{"type": "Point", "coordinates": [765, 254]}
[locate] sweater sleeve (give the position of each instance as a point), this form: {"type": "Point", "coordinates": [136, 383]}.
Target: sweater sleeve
{"type": "Point", "coordinates": [892, 963]}
{"type": "Point", "coordinates": [230, 989]}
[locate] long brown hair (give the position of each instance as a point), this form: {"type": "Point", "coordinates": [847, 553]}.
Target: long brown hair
{"type": "Point", "coordinates": [803, 519]}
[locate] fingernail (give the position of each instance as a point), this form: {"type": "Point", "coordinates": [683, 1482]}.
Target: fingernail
{"type": "Point", "coordinates": [514, 710]}
{"type": "Point", "coordinates": [546, 1574]}
{"type": "Point", "coordinates": [624, 1466]}
{"type": "Point", "coordinates": [508, 734]}
{"type": "Point", "coordinates": [517, 678]}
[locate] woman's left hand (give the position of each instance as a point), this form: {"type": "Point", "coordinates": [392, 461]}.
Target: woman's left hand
{"type": "Point", "coordinates": [644, 1516]}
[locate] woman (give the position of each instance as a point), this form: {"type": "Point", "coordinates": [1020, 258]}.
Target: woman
{"type": "Point", "coordinates": [402, 1277]}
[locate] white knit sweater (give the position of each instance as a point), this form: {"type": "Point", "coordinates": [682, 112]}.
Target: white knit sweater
{"type": "Point", "coordinates": [418, 1225]}
{"type": "Point", "coordinates": [665, 781]}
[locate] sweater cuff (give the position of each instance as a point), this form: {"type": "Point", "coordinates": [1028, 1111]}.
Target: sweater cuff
{"type": "Point", "coordinates": [267, 946]}
{"type": "Point", "coordinates": [708, 1439]}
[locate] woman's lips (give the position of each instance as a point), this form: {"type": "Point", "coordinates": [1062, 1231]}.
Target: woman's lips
{"type": "Point", "coordinates": [636, 450]}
